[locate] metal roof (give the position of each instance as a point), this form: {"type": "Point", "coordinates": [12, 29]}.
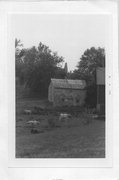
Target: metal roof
{"type": "Point", "coordinates": [68, 84]}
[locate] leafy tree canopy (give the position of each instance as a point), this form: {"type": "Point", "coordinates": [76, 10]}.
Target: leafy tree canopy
{"type": "Point", "coordinates": [36, 66]}
{"type": "Point", "coordinates": [89, 61]}
{"type": "Point", "coordinates": [86, 69]}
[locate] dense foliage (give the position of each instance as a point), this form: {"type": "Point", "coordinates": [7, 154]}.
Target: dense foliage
{"type": "Point", "coordinates": [86, 69]}
{"type": "Point", "coordinates": [89, 61]}
{"type": "Point", "coordinates": [36, 66]}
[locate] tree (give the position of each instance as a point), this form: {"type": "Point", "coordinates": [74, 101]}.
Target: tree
{"type": "Point", "coordinates": [36, 67]}
{"type": "Point", "coordinates": [42, 65]}
{"type": "Point", "coordinates": [86, 69]}
{"type": "Point", "coordinates": [89, 61]}
{"type": "Point", "coordinates": [18, 44]}
{"type": "Point", "coordinates": [18, 58]}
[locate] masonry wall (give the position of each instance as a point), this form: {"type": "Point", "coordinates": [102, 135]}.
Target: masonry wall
{"type": "Point", "coordinates": [69, 97]}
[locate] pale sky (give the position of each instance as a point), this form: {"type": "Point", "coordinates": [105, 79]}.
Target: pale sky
{"type": "Point", "coordinates": [69, 35]}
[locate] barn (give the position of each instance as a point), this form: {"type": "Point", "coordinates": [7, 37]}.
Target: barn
{"type": "Point", "coordinates": [100, 82]}
{"type": "Point", "coordinates": [65, 92]}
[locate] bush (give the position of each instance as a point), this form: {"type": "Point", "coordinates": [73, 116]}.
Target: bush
{"type": "Point", "coordinates": [91, 98]}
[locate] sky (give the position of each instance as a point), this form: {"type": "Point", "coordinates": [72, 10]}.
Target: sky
{"type": "Point", "coordinates": [68, 34]}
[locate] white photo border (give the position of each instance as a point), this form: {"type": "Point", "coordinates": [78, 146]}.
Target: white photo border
{"type": "Point", "coordinates": [62, 8]}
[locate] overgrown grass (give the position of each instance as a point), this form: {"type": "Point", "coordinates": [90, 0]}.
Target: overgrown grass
{"type": "Point", "coordinates": [74, 140]}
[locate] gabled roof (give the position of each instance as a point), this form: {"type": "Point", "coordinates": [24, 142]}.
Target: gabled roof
{"type": "Point", "coordinates": [68, 84]}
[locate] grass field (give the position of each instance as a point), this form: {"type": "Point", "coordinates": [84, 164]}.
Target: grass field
{"type": "Point", "coordinates": [73, 140]}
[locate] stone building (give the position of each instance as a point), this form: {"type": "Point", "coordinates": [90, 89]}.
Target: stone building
{"type": "Point", "coordinates": [64, 92]}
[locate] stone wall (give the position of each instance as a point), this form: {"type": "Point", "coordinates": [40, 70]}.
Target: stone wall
{"type": "Point", "coordinates": [69, 97]}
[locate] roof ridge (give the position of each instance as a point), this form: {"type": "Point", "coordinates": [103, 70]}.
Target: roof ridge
{"type": "Point", "coordinates": [67, 83]}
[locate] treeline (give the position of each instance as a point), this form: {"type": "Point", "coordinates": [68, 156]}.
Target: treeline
{"type": "Point", "coordinates": [36, 66]}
